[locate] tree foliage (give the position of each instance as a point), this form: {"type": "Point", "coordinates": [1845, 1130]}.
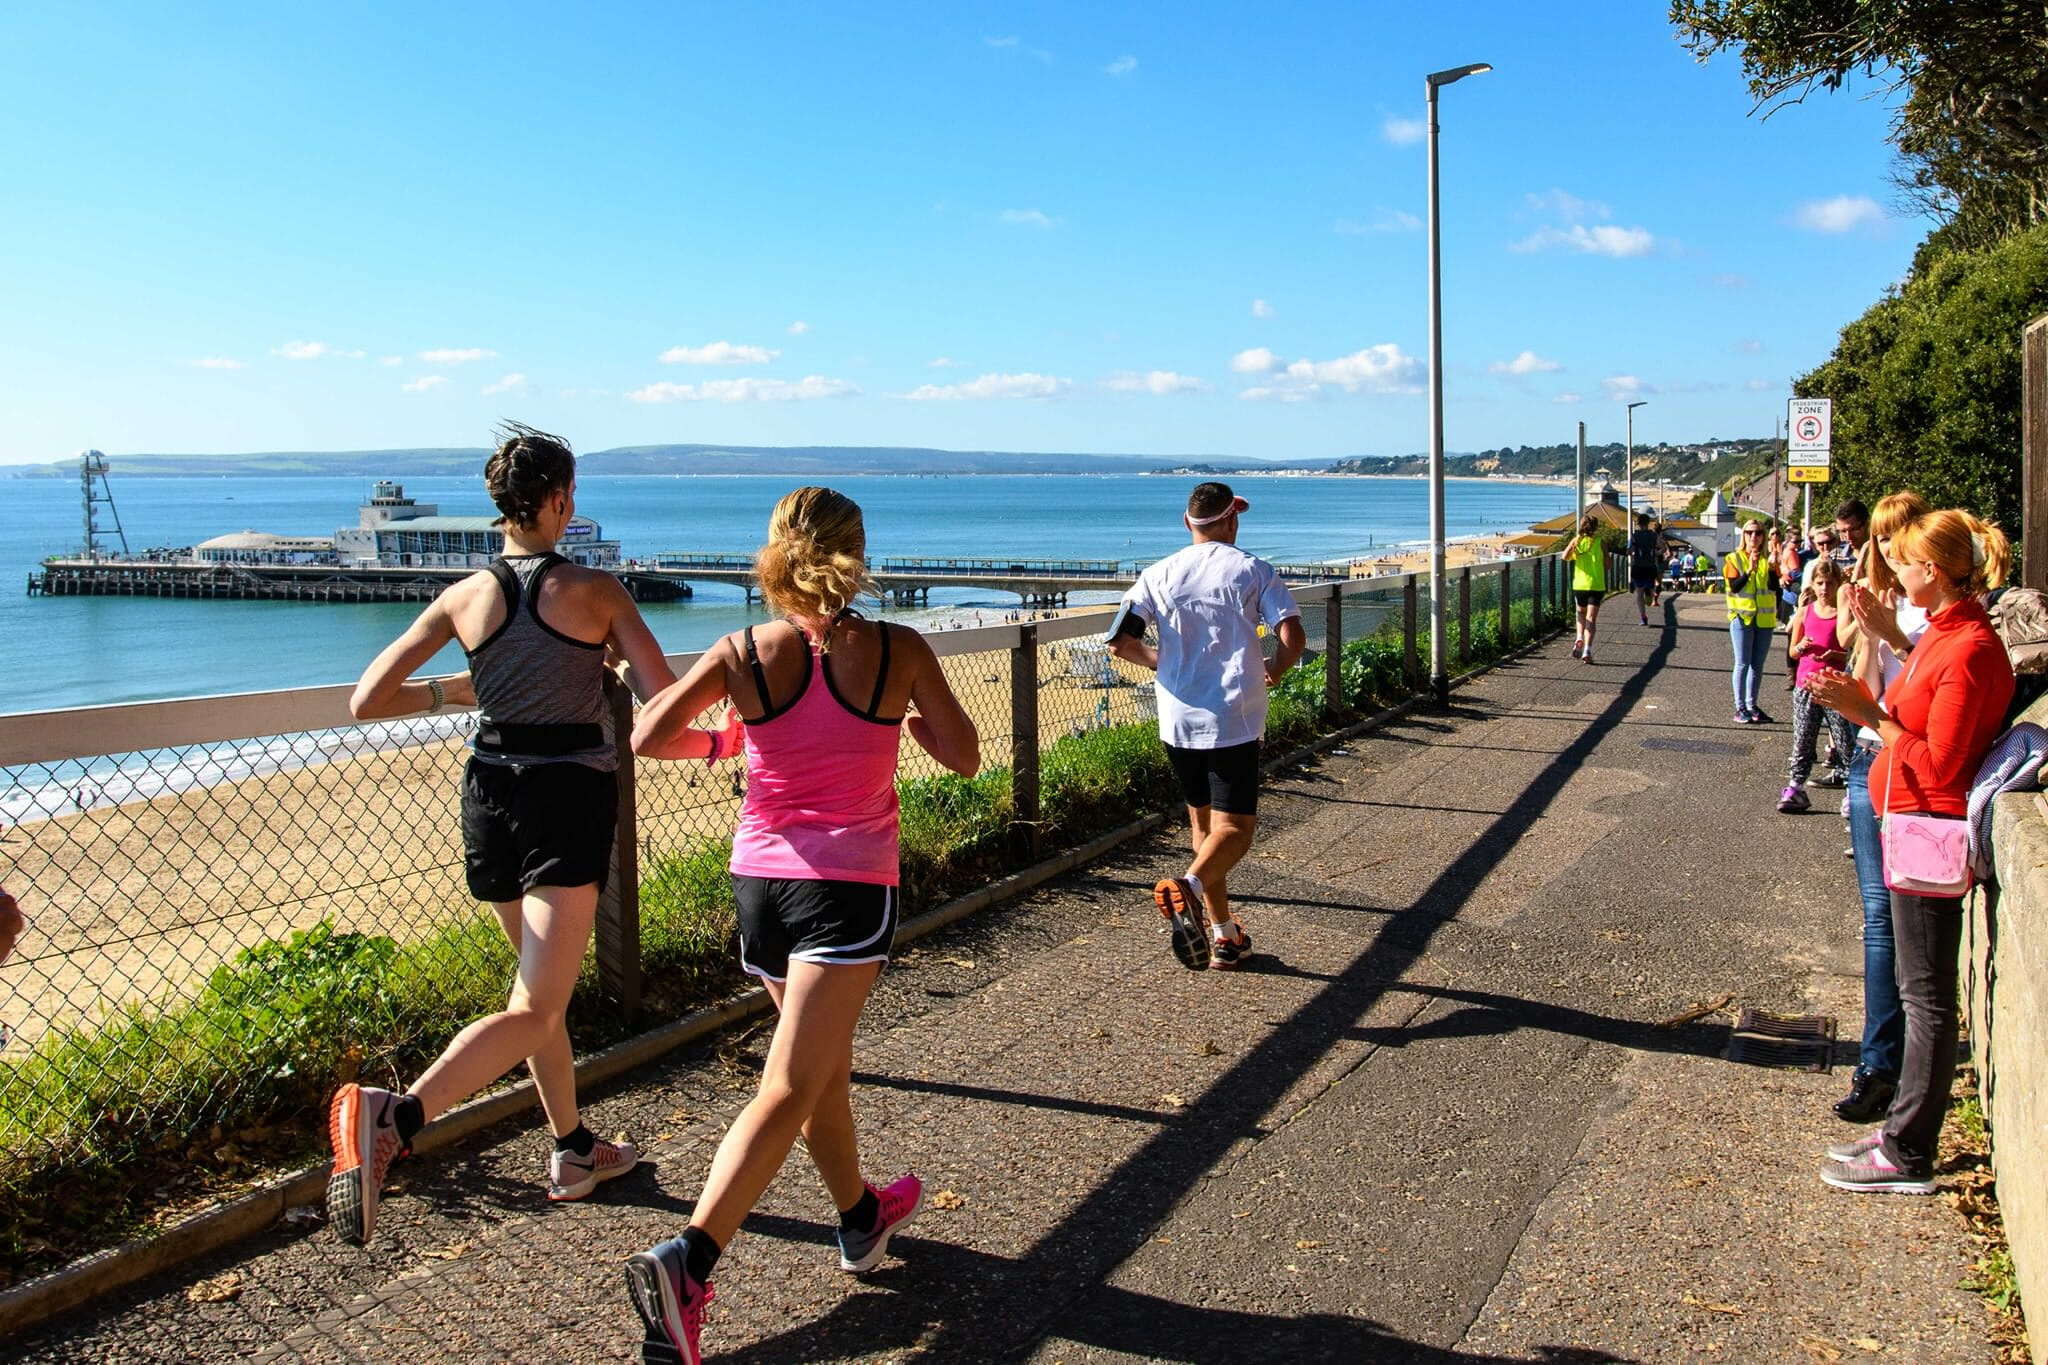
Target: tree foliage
{"type": "Point", "coordinates": [1972, 131]}
{"type": "Point", "coordinates": [1926, 384]}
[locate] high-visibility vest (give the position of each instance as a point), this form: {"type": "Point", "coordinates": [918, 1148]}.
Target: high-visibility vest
{"type": "Point", "coordinates": [1589, 565]}
{"type": "Point", "coordinates": [1750, 599]}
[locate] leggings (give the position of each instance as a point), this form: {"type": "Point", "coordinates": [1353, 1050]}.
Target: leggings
{"type": "Point", "coordinates": [1808, 716]}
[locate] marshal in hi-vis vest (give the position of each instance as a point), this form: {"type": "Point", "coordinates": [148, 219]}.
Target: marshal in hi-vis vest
{"type": "Point", "coordinates": [1751, 599]}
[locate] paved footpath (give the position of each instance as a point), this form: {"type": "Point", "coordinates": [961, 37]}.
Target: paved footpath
{"type": "Point", "coordinates": [1434, 1125]}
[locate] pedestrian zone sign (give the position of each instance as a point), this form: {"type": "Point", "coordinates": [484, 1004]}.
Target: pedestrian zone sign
{"type": "Point", "coordinates": [1810, 432]}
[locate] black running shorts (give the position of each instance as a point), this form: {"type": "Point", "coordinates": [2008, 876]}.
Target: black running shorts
{"type": "Point", "coordinates": [536, 824]}
{"type": "Point", "coordinates": [1223, 779]}
{"type": "Point", "coordinates": [784, 920]}
{"type": "Point", "coordinates": [1585, 598]}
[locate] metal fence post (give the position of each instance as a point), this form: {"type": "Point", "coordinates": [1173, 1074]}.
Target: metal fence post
{"type": "Point", "coordinates": [1465, 614]}
{"type": "Point", "coordinates": [1507, 603]}
{"type": "Point", "coordinates": [1411, 671]}
{"type": "Point", "coordinates": [1333, 650]}
{"type": "Point", "coordinates": [1024, 824]}
{"type": "Point", "coordinates": [617, 933]}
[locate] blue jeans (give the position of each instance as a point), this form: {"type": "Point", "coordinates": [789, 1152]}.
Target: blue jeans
{"type": "Point", "coordinates": [1752, 646]}
{"type": "Point", "coordinates": [1884, 1021]}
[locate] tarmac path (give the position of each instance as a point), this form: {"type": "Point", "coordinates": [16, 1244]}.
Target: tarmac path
{"type": "Point", "coordinates": [1434, 1124]}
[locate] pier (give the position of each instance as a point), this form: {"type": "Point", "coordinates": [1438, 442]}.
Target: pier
{"type": "Point", "coordinates": [909, 580]}
{"type": "Point", "coordinates": [282, 582]}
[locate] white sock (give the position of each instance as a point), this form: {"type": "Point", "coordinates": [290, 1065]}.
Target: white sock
{"type": "Point", "coordinates": [1195, 885]}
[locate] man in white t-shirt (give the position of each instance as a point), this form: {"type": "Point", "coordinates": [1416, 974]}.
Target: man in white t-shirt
{"type": "Point", "coordinates": [1206, 603]}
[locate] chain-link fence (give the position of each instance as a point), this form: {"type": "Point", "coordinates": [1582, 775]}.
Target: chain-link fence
{"type": "Point", "coordinates": [238, 902]}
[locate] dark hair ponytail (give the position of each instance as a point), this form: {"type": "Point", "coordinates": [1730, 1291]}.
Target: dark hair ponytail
{"type": "Point", "coordinates": [528, 467]}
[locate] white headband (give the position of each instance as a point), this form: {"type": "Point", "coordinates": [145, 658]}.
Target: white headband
{"type": "Point", "coordinates": [1236, 505]}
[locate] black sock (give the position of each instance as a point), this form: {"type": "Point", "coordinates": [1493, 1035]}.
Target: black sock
{"type": "Point", "coordinates": [700, 1253]}
{"type": "Point", "coordinates": [580, 1142]}
{"type": "Point", "coordinates": [863, 1216]}
{"type": "Point", "coordinates": [408, 1116]}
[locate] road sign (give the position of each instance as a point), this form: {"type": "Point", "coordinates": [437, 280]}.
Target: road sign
{"type": "Point", "coordinates": [1810, 431]}
{"type": "Point", "coordinates": [1808, 473]}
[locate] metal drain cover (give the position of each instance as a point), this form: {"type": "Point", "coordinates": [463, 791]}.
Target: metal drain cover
{"type": "Point", "coordinates": [1697, 746]}
{"type": "Point", "coordinates": [1805, 1042]}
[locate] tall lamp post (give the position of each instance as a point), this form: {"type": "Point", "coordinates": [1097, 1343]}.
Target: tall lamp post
{"type": "Point", "coordinates": [1439, 673]}
{"type": "Point", "coordinates": [1628, 525]}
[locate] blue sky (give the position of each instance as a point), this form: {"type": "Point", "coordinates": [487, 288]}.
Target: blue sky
{"type": "Point", "coordinates": [1076, 227]}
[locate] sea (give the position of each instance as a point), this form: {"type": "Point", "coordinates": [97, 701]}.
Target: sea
{"type": "Point", "coordinates": [64, 652]}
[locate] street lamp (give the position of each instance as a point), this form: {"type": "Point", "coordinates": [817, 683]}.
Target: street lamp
{"type": "Point", "coordinates": [1439, 674]}
{"type": "Point", "coordinates": [1628, 527]}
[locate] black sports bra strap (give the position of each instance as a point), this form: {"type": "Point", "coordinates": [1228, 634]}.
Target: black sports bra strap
{"type": "Point", "coordinates": [508, 583]}
{"type": "Point", "coordinates": [760, 674]}
{"type": "Point", "coordinates": [881, 672]}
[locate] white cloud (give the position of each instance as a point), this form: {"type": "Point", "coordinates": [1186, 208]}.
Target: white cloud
{"type": "Point", "coordinates": [1626, 387]}
{"type": "Point", "coordinates": [1843, 213]}
{"type": "Point", "coordinates": [1729, 280]}
{"type": "Point", "coordinates": [1122, 66]}
{"type": "Point", "coordinates": [993, 386]}
{"type": "Point", "coordinates": [1528, 362]}
{"type": "Point", "coordinates": [1762, 385]}
{"type": "Point", "coordinates": [219, 362]}
{"type": "Point", "coordinates": [1594, 241]}
{"type": "Point", "coordinates": [941, 362]}
{"type": "Point", "coordinates": [1751, 348]}
{"type": "Point", "coordinates": [718, 353]}
{"type": "Point", "coordinates": [457, 355]}
{"type": "Point", "coordinates": [1403, 132]}
{"type": "Point", "coordinates": [390, 360]}
{"type": "Point", "coordinates": [1569, 207]}
{"type": "Point", "coordinates": [749, 390]}
{"type": "Point", "coordinates": [1567, 398]}
{"type": "Point", "coordinates": [1266, 394]}
{"type": "Point", "coordinates": [1384, 368]}
{"type": "Point", "coordinates": [799, 327]}
{"type": "Point", "coordinates": [424, 383]}
{"type": "Point", "coordinates": [1154, 381]}
{"type": "Point", "coordinates": [304, 350]}
{"type": "Point", "coordinates": [1258, 360]}
{"type": "Point", "coordinates": [1008, 40]}
{"type": "Point", "coordinates": [1029, 218]}
{"type": "Point", "coordinates": [1261, 309]}
{"type": "Point", "coordinates": [511, 383]}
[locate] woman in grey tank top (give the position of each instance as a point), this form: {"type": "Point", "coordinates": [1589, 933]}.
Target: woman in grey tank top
{"type": "Point", "coordinates": [539, 797]}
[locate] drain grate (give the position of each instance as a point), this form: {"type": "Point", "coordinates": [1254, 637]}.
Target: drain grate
{"type": "Point", "coordinates": [1697, 746]}
{"type": "Point", "coordinates": [1804, 1042]}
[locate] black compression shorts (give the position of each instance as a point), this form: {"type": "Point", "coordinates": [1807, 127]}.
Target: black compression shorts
{"type": "Point", "coordinates": [1583, 598]}
{"type": "Point", "coordinates": [1225, 779]}
{"type": "Point", "coordinates": [784, 920]}
{"type": "Point", "coordinates": [536, 824]}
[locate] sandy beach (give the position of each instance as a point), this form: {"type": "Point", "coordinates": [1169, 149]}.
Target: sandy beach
{"type": "Point", "coordinates": [140, 901]}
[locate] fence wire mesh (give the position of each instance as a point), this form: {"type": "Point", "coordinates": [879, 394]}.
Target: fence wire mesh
{"type": "Point", "coordinates": [221, 931]}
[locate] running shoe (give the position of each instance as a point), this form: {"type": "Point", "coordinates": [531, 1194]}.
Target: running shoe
{"type": "Point", "coordinates": [1645, 620]}
{"type": "Point", "coordinates": [1227, 954]}
{"type": "Point", "coordinates": [1793, 800]}
{"type": "Point", "coordinates": [364, 1134]}
{"type": "Point", "coordinates": [1757, 717]}
{"type": "Point", "coordinates": [1873, 1173]}
{"type": "Point", "coordinates": [860, 1252]}
{"type": "Point", "coordinates": [1849, 1151]}
{"type": "Point", "coordinates": [1741, 716]}
{"type": "Point", "coordinates": [572, 1177]}
{"type": "Point", "coordinates": [668, 1300]}
{"type": "Point", "coordinates": [1183, 910]}
{"type": "Point", "coordinates": [1832, 778]}
{"type": "Point", "coordinates": [1587, 656]}
{"type": "Point", "coordinates": [1578, 648]}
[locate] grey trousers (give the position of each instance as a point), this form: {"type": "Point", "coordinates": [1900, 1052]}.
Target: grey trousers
{"type": "Point", "coordinates": [1928, 933]}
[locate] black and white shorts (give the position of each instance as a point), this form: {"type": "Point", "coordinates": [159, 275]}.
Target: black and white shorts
{"type": "Point", "coordinates": [1587, 598]}
{"type": "Point", "coordinates": [1224, 779]}
{"type": "Point", "coordinates": [536, 824]}
{"type": "Point", "coordinates": [785, 920]}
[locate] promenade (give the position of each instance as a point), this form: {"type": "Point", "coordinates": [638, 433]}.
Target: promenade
{"type": "Point", "coordinates": [1436, 1123]}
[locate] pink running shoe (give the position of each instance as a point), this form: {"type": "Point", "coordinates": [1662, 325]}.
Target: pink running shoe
{"type": "Point", "coordinates": [670, 1303]}
{"type": "Point", "coordinates": [365, 1139]}
{"type": "Point", "coordinates": [860, 1252]}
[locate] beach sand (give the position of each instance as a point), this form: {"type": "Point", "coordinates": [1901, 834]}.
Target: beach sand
{"type": "Point", "coordinates": [140, 901]}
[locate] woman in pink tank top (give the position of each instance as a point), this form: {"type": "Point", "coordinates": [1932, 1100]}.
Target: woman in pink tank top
{"type": "Point", "coordinates": [1816, 645]}
{"type": "Point", "coordinates": [824, 696]}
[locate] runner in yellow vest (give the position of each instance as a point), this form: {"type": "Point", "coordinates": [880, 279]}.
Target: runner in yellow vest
{"type": "Point", "coordinates": [1588, 559]}
{"type": "Point", "coordinates": [1752, 583]}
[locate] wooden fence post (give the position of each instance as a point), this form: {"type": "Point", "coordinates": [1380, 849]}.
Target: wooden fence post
{"type": "Point", "coordinates": [1465, 614]}
{"type": "Point", "coordinates": [2034, 455]}
{"type": "Point", "coordinates": [617, 931]}
{"type": "Point", "coordinates": [1411, 671]}
{"type": "Point", "coordinates": [1024, 824]}
{"type": "Point", "coordinates": [1333, 650]}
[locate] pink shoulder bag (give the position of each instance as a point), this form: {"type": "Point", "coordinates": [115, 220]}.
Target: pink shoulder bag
{"type": "Point", "coordinates": [1924, 855]}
